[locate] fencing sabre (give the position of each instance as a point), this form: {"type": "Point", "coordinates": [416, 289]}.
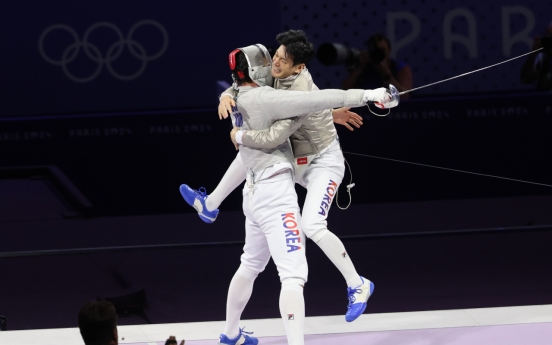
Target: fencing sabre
{"type": "Point", "coordinates": [395, 94]}
{"type": "Point", "coordinates": [395, 97]}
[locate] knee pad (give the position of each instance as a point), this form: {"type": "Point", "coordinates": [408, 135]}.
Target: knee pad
{"type": "Point", "coordinates": [247, 272]}
{"type": "Point", "coordinates": [293, 284]}
{"type": "Point", "coordinates": [319, 234]}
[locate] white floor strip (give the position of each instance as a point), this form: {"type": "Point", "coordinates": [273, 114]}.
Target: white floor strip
{"type": "Point", "coordinates": [313, 325]}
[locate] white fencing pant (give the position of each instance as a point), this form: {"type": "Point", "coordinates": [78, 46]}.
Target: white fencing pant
{"type": "Point", "coordinates": [321, 179]}
{"type": "Point", "coordinates": [273, 227]}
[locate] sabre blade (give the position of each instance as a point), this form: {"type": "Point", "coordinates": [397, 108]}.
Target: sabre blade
{"type": "Point", "coordinates": [464, 74]}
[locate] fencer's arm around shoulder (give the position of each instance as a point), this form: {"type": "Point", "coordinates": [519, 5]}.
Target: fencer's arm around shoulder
{"type": "Point", "coordinates": [282, 104]}
{"type": "Point", "coordinates": [226, 102]}
{"type": "Point", "coordinates": [273, 136]}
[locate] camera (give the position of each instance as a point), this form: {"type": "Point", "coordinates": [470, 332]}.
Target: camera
{"type": "Point", "coordinates": [2, 323]}
{"type": "Point", "coordinates": [338, 53]}
{"type": "Point", "coordinates": [376, 55]}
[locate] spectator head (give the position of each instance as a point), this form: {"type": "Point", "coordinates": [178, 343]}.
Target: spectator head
{"type": "Point", "coordinates": [294, 53]}
{"type": "Point", "coordinates": [379, 45]}
{"type": "Point", "coordinates": [171, 341]}
{"type": "Point", "coordinates": [98, 323]}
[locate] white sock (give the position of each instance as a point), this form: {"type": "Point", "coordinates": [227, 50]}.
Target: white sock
{"type": "Point", "coordinates": [292, 309]}
{"type": "Point", "coordinates": [239, 293]}
{"type": "Point", "coordinates": [334, 249]}
{"type": "Point", "coordinates": [233, 177]}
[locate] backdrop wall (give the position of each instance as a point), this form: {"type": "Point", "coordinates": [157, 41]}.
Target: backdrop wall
{"type": "Point", "coordinates": [62, 57]}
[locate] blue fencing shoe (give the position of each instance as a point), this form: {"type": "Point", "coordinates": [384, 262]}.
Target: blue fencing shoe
{"type": "Point", "coordinates": [358, 298]}
{"type": "Point", "coordinates": [242, 339]}
{"type": "Point", "coordinates": [196, 199]}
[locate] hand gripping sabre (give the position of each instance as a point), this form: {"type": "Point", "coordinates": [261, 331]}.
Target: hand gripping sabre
{"type": "Point", "coordinates": [394, 94]}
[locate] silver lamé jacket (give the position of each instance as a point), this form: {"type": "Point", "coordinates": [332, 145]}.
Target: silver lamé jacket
{"type": "Point", "coordinates": [308, 135]}
{"type": "Point", "coordinates": [260, 107]}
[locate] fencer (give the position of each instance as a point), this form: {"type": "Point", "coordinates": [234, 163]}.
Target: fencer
{"type": "Point", "coordinates": [318, 160]}
{"type": "Point", "coordinates": [273, 225]}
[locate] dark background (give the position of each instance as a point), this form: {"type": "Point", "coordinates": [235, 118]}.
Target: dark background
{"type": "Point", "coordinates": [198, 38]}
{"type": "Point", "coordinates": [124, 146]}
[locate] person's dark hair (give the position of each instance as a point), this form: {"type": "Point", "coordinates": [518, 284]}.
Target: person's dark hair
{"type": "Point", "coordinates": [171, 342]}
{"type": "Point", "coordinates": [372, 42]}
{"type": "Point", "coordinates": [97, 320]}
{"type": "Point", "coordinates": [241, 66]}
{"type": "Point", "coordinates": [298, 47]}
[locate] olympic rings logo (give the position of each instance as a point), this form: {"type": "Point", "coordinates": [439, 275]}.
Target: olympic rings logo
{"type": "Point", "coordinates": [113, 52]}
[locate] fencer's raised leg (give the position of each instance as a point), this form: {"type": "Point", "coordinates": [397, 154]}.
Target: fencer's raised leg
{"type": "Point", "coordinates": [322, 180]}
{"type": "Point", "coordinates": [234, 176]}
{"type": "Point", "coordinates": [207, 205]}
